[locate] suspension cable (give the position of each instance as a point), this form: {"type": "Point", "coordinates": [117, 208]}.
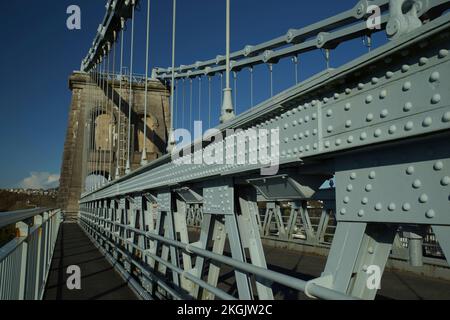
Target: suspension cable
{"type": "Point", "coordinates": [176, 120]}
{"type": "Point", "coordinates": [183, 103]}
{"type": "Point", "coordinates": [271, 79]}
{"type": "Point", "coordinates": [118, 165]}
{"type": "Point", "coordinates": [295, 61]}
{"type": "Point", "coordinates": [111, 142]}
{"type": "Point", "coordinates": [130, 102]}
{"type": "Point", "coordinates": [200, 98]}
{"type": "Point", "coordinates": [251, 87]}
{"type": "Point", "coordinates": [107, 137]}
{"type": "Point", "coordinates": [235, 91]}
{"type": "Point", "coordinates": [172, 83]}
{"type": "Point", "coordinates": [144, 149]}
{"type": "Point", "coordinates": [190, 104]}
{"type": "Point", "coordinates": [209, 102]}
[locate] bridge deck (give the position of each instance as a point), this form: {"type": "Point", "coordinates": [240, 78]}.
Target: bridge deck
{"type": "Point", "coordinates": [99, 281]}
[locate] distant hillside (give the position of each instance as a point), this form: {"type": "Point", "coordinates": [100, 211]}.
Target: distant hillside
{"type": "Point", "coordinates": [14, 201]}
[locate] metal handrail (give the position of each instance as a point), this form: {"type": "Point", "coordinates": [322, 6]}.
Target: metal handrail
{"type": "Point", "coordinates": [289, 281]}
{"type": "Point", "coordinates": [11, 217]}
{"type": "Point", "coordinates": [25, 261]}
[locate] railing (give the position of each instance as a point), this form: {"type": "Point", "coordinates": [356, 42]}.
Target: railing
{"type": "Point", "coordinates": [117, 241]}
{"type": "Point", "coordinates": [25, 261]}
{"type": "Point", "coordinates": [315, 226]}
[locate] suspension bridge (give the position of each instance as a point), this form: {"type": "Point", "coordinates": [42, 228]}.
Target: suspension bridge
{"type": "Point", "coordinates": [323, 190]}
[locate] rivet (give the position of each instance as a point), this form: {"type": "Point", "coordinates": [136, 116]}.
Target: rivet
{"type": "Point", "coordinates": [348, 91]}
{"type": "Point", "coordinates": [417, 184]}
{"type": "Point", "coordinates": [372, 175]}
{"type": "Point", "coordinates": [430, 214]}
{"type": "Point", "coordinates": [423, 61]}
{"type": "Point", "coordinates": [361, 213]}
{"type": "Point", "coordinates": [378, 207]}
{"type": "Point", "coordinates": [294, 123]}
{"type": "Point", "coordinates": [353, 175]}
{"type": "Point", "coordinates": [384, 113]}
{"type": "Point", "coordinates": [423, 198]}
{"type": "Point", "coordinates": [446, 117]}
{"type": "Point", "coordinates": [408, 106]}
{"type": "Point", "coordinates": [434, 76]}
{"type": "Point", "coordinates": [338, 142]}
{"type": "Point", "coordinates": [329, 113]}
{"type": "Point", "coordinates": [286, 126]}
{"type": "Point", "coordinates": [377, 133]}
{"type": "Point", "coordinates": [383, 94]}
{"type": "Point", "coordinates": [389, 74]}
{"type": "Point", "coordinates": [405, 68]}
{"type": "Point", "coordinates": [438, 166]}
{"type": "Point", "coordinates": [392, 207]}
{"type": "Point", "coordinates": [365, 201]}
{"type": "Point", "coordinates": [363, 136]}
{"type": "Point", "coordinates": [348, 106]}
{"type": "Point", "coordinates": [336, 96]}
{"type": "Point", "coordinates": [369, 117]}
{"type": "Point", "coordinates": [436, 98]}
{"type": "Point", "coordinates": [406, 207]}
{"type": "Point", "coordinates": [445, 181]}
{"type": "Point", "coordinates": [369, 99]}
{"type": "Point", "coordinates": [330, 129]}
{"type": "Point", "coordinates": [360, 86]}
{"type": "Point", "coordinates": [350, 139]}
{"type": "Point", "coordinates": [370, 250]}
{"type": "Point", "coordinates": [346, 200]}
{"type": "Point", "coordinates": [369, 188]}
{"type": "Point", "coordinates": [409, 126]}
{"type": "Point", "coordinates": [348, 123]}
{"type": "Point", "coordinates": [410, 170]}
{"type": "Point", "coordinates": [349, 188]}
{"type": "Point", "coordinates": [327, 144]}
{"type": "Point", "coordinates": [427, 122]}
{"type": "Point", "coordinates": [392, 129]}
{"type": "Point", "coordinates": [407, 86]}
{"type": "Point", "coordinates": [295, 137]}
{"type": "Point", "coordinates": [343, 211]}
{"type": "Point", "coordinates": [325, 100]}
{"type": "Point", "coordinates": [443, 53]}
{"type": "Point", "coordinates": [374, 80]}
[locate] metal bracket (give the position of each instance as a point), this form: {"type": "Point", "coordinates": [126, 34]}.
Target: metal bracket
{"type": "Point", "coordinates": [403, 17]}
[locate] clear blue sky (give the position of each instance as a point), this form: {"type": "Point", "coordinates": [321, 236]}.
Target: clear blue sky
{"type": "Point", "coordinates": [39, 53]}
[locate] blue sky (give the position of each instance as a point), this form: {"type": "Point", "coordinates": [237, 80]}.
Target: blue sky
{"type": "Point", "coordinates": [39, 53]}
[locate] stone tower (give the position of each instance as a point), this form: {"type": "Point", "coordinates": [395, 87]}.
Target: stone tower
{"type": "Point", "coordinates": [97, 134]}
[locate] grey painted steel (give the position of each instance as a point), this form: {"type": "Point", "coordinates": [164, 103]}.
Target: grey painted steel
{"type": "Point", "coordinates": [298, 110]}
{"type": "Point", "coordinates": [9, 218]}
{"type": "Point", "coordinates": [379, 124]}
{"type": "Point", "coordinates": [286, 280]}
{"type": "Point", "coordinates": [25, 261]}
